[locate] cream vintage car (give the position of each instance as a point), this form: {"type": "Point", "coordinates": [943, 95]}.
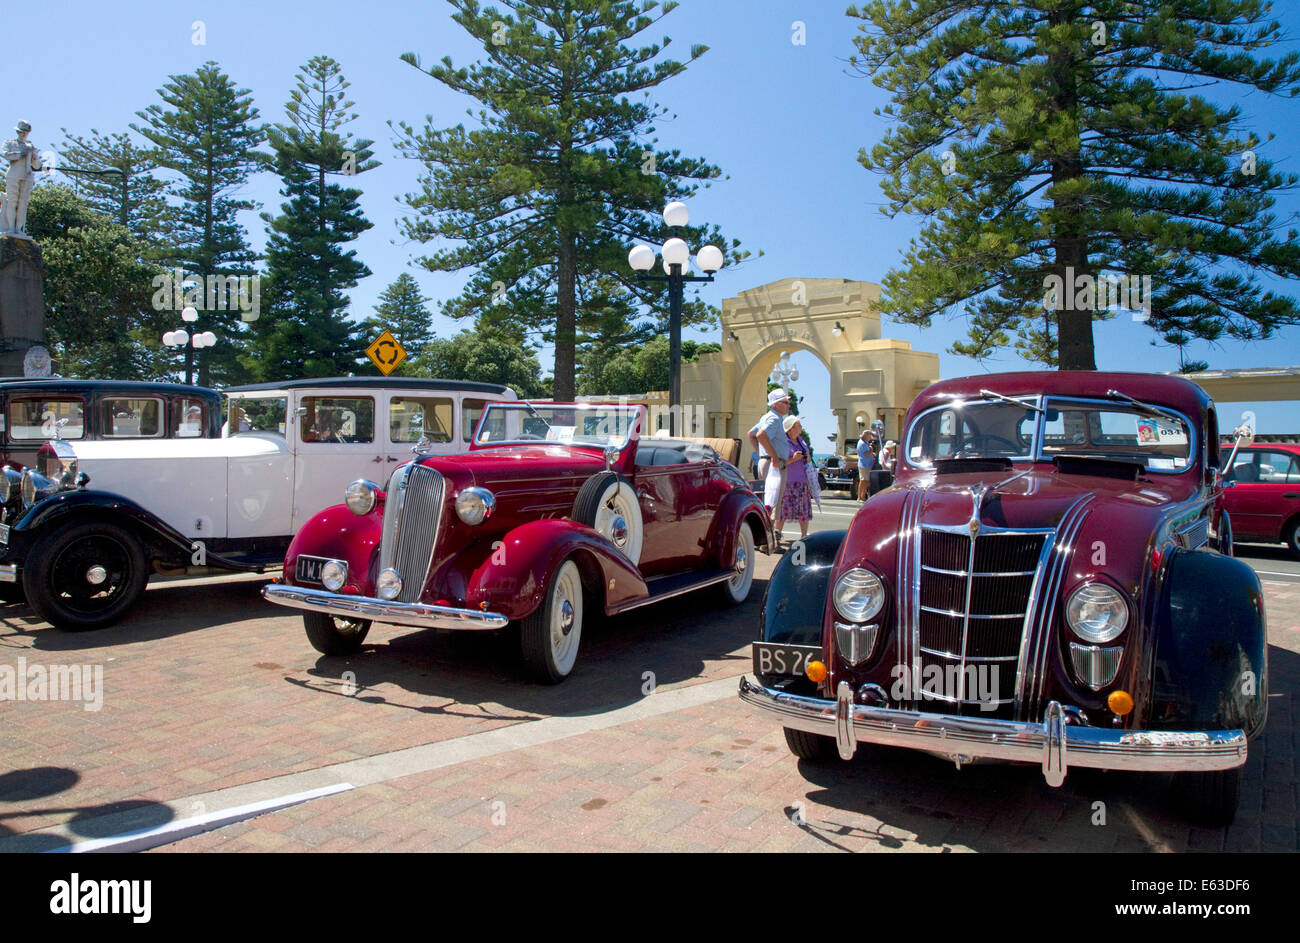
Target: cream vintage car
{"type": "Point", "coordinates": [87, 526]}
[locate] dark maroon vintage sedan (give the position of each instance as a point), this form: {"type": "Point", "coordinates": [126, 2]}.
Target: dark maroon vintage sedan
{"type": "Point", "coordinates": [1049, 581]}
{"type": "Point", "coordinates": [557, 509]}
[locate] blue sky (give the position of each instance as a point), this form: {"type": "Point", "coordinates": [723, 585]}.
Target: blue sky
{"type": "Point", "coordinates": [783, 121]}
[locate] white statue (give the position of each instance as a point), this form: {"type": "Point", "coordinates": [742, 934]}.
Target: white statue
{"type": "Point", "coordinates": [24, 161]}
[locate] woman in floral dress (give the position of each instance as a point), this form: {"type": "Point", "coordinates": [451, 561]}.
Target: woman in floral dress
{"type": "Point", "coordinates": [796, 500]}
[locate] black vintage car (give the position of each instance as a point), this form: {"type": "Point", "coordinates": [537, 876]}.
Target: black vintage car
{"type": "Point", "coordinates": [32, 412]}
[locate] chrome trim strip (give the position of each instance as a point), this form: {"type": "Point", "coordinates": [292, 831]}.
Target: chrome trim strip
{"type": "Point", "coordinates": [955, 656]}
{"type": "Point", "coordinates": [367, 607]}
{"type": "Point", "coordinates": [1053, 744]}
{"type": "Point", "coordinates": [707, 581]}
{"type": "Point", "coordinates": [8, 572]}
{"type": "Point", "coordinates": [972, 615]}
{"type": "Point", "coordinates": [964, 573]}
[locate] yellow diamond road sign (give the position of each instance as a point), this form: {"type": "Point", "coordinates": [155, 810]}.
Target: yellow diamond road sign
{"type": "Point", "coordinates": [386, 353]}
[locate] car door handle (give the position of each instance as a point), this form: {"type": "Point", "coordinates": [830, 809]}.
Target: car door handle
{"type": "Point", "coordinates": [391, 459]}
{"type": "Point", "coordinates": [377, 459]}
{"type": "Point", "coordinates": [1291, 495]}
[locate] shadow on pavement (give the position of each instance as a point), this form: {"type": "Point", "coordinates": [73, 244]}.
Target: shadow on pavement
{"type": "Point", "coordinates": [44, 781]}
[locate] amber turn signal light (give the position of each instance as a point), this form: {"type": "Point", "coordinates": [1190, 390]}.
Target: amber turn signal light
{"type": "Point", "coordinates": [815, 671]}
{"type": "Point", "coordinates": [1120, 703]}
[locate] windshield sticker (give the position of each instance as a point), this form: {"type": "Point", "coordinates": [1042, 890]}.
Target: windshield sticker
{"type": "Point", "coordinates": [1157, 432]}
{"type": "Point", "coordinates": [559, 434]}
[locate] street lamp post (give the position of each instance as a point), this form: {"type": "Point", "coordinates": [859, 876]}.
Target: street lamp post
{"type": "Point", "coordinates": [677, 256]}
{"type": "Point", "coordinates": [191, 343]}
{"type": "Point", "coordinates": [785, 372]}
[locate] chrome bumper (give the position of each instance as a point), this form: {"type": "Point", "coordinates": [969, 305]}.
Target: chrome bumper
{"type": "Point", "coordinates": [381, 610]}
{"type": "Point", "coordinates": [1053, 743]}
{"type": "Point", "coordinates": [8, 572]}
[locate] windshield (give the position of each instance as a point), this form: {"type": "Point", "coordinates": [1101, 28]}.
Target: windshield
{"type": "Point", "coordinates": [591, 424]}
{"type": "Point", "coordinates": [998, 429]}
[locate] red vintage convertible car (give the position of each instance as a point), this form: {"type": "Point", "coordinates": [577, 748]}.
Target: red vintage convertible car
{"type": "Point", "coordinates": [556, 509]}
{"type": "Point", "coordinates": [1050, 581]}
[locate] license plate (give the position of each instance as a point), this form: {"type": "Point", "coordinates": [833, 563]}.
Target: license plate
{"type": "Point", "coordinates": [773, 659]}
{"type": "Point", "coordinates": [4, 534]}
{"type": "Point", "coordinates": [308, 568]}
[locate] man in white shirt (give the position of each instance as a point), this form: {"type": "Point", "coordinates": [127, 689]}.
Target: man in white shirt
{"type": "Point", "coordinates": [769, 435]}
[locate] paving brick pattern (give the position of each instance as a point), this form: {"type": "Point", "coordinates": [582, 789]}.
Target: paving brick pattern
{"type": "Point", "coordinates": [207, 687]}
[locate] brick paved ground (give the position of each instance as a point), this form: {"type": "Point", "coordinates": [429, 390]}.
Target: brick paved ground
{"type": "Point", "coordinates": [206, 689]}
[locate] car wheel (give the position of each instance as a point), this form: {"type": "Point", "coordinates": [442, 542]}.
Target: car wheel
{"type": "Point", "coordinates": [1209, 799]}
{"type": "Point", "coordinates": [84, 576]}
{"type": "Point", "coordinates": [607, 504]}
{"type": "Point", "coordinates": [736, 590]}
{"type": "Point", "coordinates": [549, 638]}
{"type": "Point", "coordinates": [1223, 539]}
{"type": "Point", "coordinates": [332, 635]}
{"type": "Point", "coordinates": [811, 746]}
{"type": "Point", "coordinates": [1293, 537]}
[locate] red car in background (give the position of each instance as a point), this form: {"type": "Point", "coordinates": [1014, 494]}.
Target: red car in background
{"type": "Point", "coordinates": [1263, 494]}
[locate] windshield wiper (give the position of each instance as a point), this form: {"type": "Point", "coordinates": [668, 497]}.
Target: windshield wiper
{"type": "Point", "coordinates": [534, 411]}
{"type": "Point", "coordinates": [1014, 402]}
{"type": "Point", "coordinates": [1150, 409]}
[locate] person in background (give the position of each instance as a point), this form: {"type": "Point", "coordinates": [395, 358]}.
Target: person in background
{"type": "Point", "coordinates": [866, 462]}
{"type": "Point", "coordinates": [770, 436]}
{"type": "Point", "coordinates": [888, 456]}
{"type": "Point", "coordinates": [796, 500]}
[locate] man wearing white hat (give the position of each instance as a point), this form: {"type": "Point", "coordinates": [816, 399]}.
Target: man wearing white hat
{"type": "Point", "coordinates": [769, 434]}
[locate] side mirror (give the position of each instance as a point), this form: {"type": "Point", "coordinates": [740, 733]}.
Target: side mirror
{"type": "Point", "coordinates": [611, 456]}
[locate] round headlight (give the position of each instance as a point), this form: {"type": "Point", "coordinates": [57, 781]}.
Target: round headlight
{"type": "Point", "coordinates": [475, 505]}
{"type": "Point", "coordinates": [388, 584]}
{"type": "Point", "coordinates": [1097, 612]}
{"type": "Point", "coordinates": [35, 487]}
{"type": "Point", "coordinates": [333, 574]}
{"type": "Point", "coordinates": [859, 595]}
{"type": "Point", "coordinates": [360, 496]}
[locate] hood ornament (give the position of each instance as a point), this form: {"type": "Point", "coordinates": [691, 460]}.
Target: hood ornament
{"type": "Point", "coordinates": [977, 493]}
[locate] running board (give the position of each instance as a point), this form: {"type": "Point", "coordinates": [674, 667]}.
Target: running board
{"type": "Point", "coordinates": [666, 587]}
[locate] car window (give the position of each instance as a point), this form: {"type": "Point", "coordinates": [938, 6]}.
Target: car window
{"type": "Point", "coordinates": [43, 418]}
{"type": "Point", "coordinates": [1278, 468]}
{"type": "Point", "coordinates": [341, 419]}
{"type": "Point", "coordinates": [130, 417]}
{"type": "Point", "coordinates": [411, 418]}
{"type": "Point", "coordinates": [471, 411]}
{"type": "Point", "coordinates": [189, 417]}
{"type": "Point", "coordinates": [256, 414]}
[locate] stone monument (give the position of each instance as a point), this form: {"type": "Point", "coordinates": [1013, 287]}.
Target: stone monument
{"type": "Point", "coordinates": [22, 296]}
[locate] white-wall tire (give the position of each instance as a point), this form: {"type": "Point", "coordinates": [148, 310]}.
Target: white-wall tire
{"type": "Point", "coordinates": [549, 638]}
{"type": "Point", "coordinates": [736, 590]}
{"type": "Point", "coordinates": [607, 504]}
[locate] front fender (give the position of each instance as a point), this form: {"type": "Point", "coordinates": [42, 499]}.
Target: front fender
{"type": "Point", "coordinates": [339, 534]}
{"type": "Point", "coordinates": [1210, 665]}
{"type": "Point", "coordinates": [512, 576]}
{"type": "Point", "coordinates": [794, 605]}
{"type": "Point", "coordinates": [104, 504]}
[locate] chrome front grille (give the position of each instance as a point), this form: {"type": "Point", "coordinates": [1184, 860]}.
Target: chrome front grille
{"type": "Point", "coordinates": [412, 514]}
{"type": "Point", "coordinates": [973, 600]}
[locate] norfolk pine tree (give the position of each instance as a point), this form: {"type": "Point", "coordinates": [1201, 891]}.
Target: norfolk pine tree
{"type": "Point", "coordinates": [134, 197]}
{"type": "Point", "coordinates": [207, 131]}
{"type": "Point", "coordinates": [543, 200]}
{"type": "Point", "coordinates": [1036, 137]}
{"type": "Point", "coordinates": [308, 268]}
{"type": "Point", "coordinates": [404, 311]}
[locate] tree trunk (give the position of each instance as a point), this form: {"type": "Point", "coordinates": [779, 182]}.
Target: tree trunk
{"type": "Point", "coordinates": [1074, 344]}
{"type": "Point", "coordinates": [566, 327]}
